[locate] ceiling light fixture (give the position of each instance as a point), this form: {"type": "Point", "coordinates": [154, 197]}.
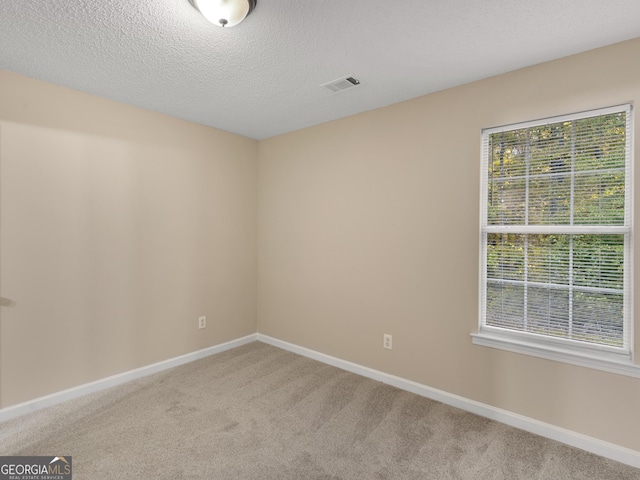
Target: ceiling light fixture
{"type": "Point", "coordinates": [224, 13]}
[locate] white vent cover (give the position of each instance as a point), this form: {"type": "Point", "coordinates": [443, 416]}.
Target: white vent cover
{"type": "Point", "coordinates": [341, 84]}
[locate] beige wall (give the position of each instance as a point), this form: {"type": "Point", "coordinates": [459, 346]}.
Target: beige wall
{"type": "Point", "coordinates": [118, 228]}
{"type": "Point", "coordinates": [369, 225]}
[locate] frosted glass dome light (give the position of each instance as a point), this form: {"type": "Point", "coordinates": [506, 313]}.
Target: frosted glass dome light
{"type": "Point", "coordinates": [224, 13]}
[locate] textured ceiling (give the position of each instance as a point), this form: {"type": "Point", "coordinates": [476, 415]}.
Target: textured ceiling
{"type": "Point", "coordinates": [261, 78]}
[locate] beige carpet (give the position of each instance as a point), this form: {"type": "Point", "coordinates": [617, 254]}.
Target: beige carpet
{"type": "Point", "coordinates": [258, 412]}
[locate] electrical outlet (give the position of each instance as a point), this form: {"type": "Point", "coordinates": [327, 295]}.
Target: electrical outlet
{"type": "Point", "coordinates": [202, 322]}
{"type": "Point", "coordinates": [387, 341]}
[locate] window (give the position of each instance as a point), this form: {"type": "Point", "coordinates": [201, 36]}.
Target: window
{"type": "Point", "coordinates": [556, 236]}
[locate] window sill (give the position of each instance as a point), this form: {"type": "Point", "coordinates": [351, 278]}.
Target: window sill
{"type": "Point", "coordinates": [605, 362]}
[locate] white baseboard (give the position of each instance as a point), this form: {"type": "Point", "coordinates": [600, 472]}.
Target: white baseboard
{"type": "Point", "coordinates": [102, 384]}
{"type": "Point", "coordinates": [568, 437]}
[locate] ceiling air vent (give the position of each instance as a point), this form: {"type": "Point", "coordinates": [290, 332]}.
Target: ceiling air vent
{"type": "Point", "coordinates": [341, 84]}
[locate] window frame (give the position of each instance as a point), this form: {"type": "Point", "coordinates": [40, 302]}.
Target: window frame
{"type": "Point", "coordinates": [612, 359]}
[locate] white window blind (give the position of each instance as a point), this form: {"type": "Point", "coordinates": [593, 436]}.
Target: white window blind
{"type": "Point", "coordinates": [556, 230]}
